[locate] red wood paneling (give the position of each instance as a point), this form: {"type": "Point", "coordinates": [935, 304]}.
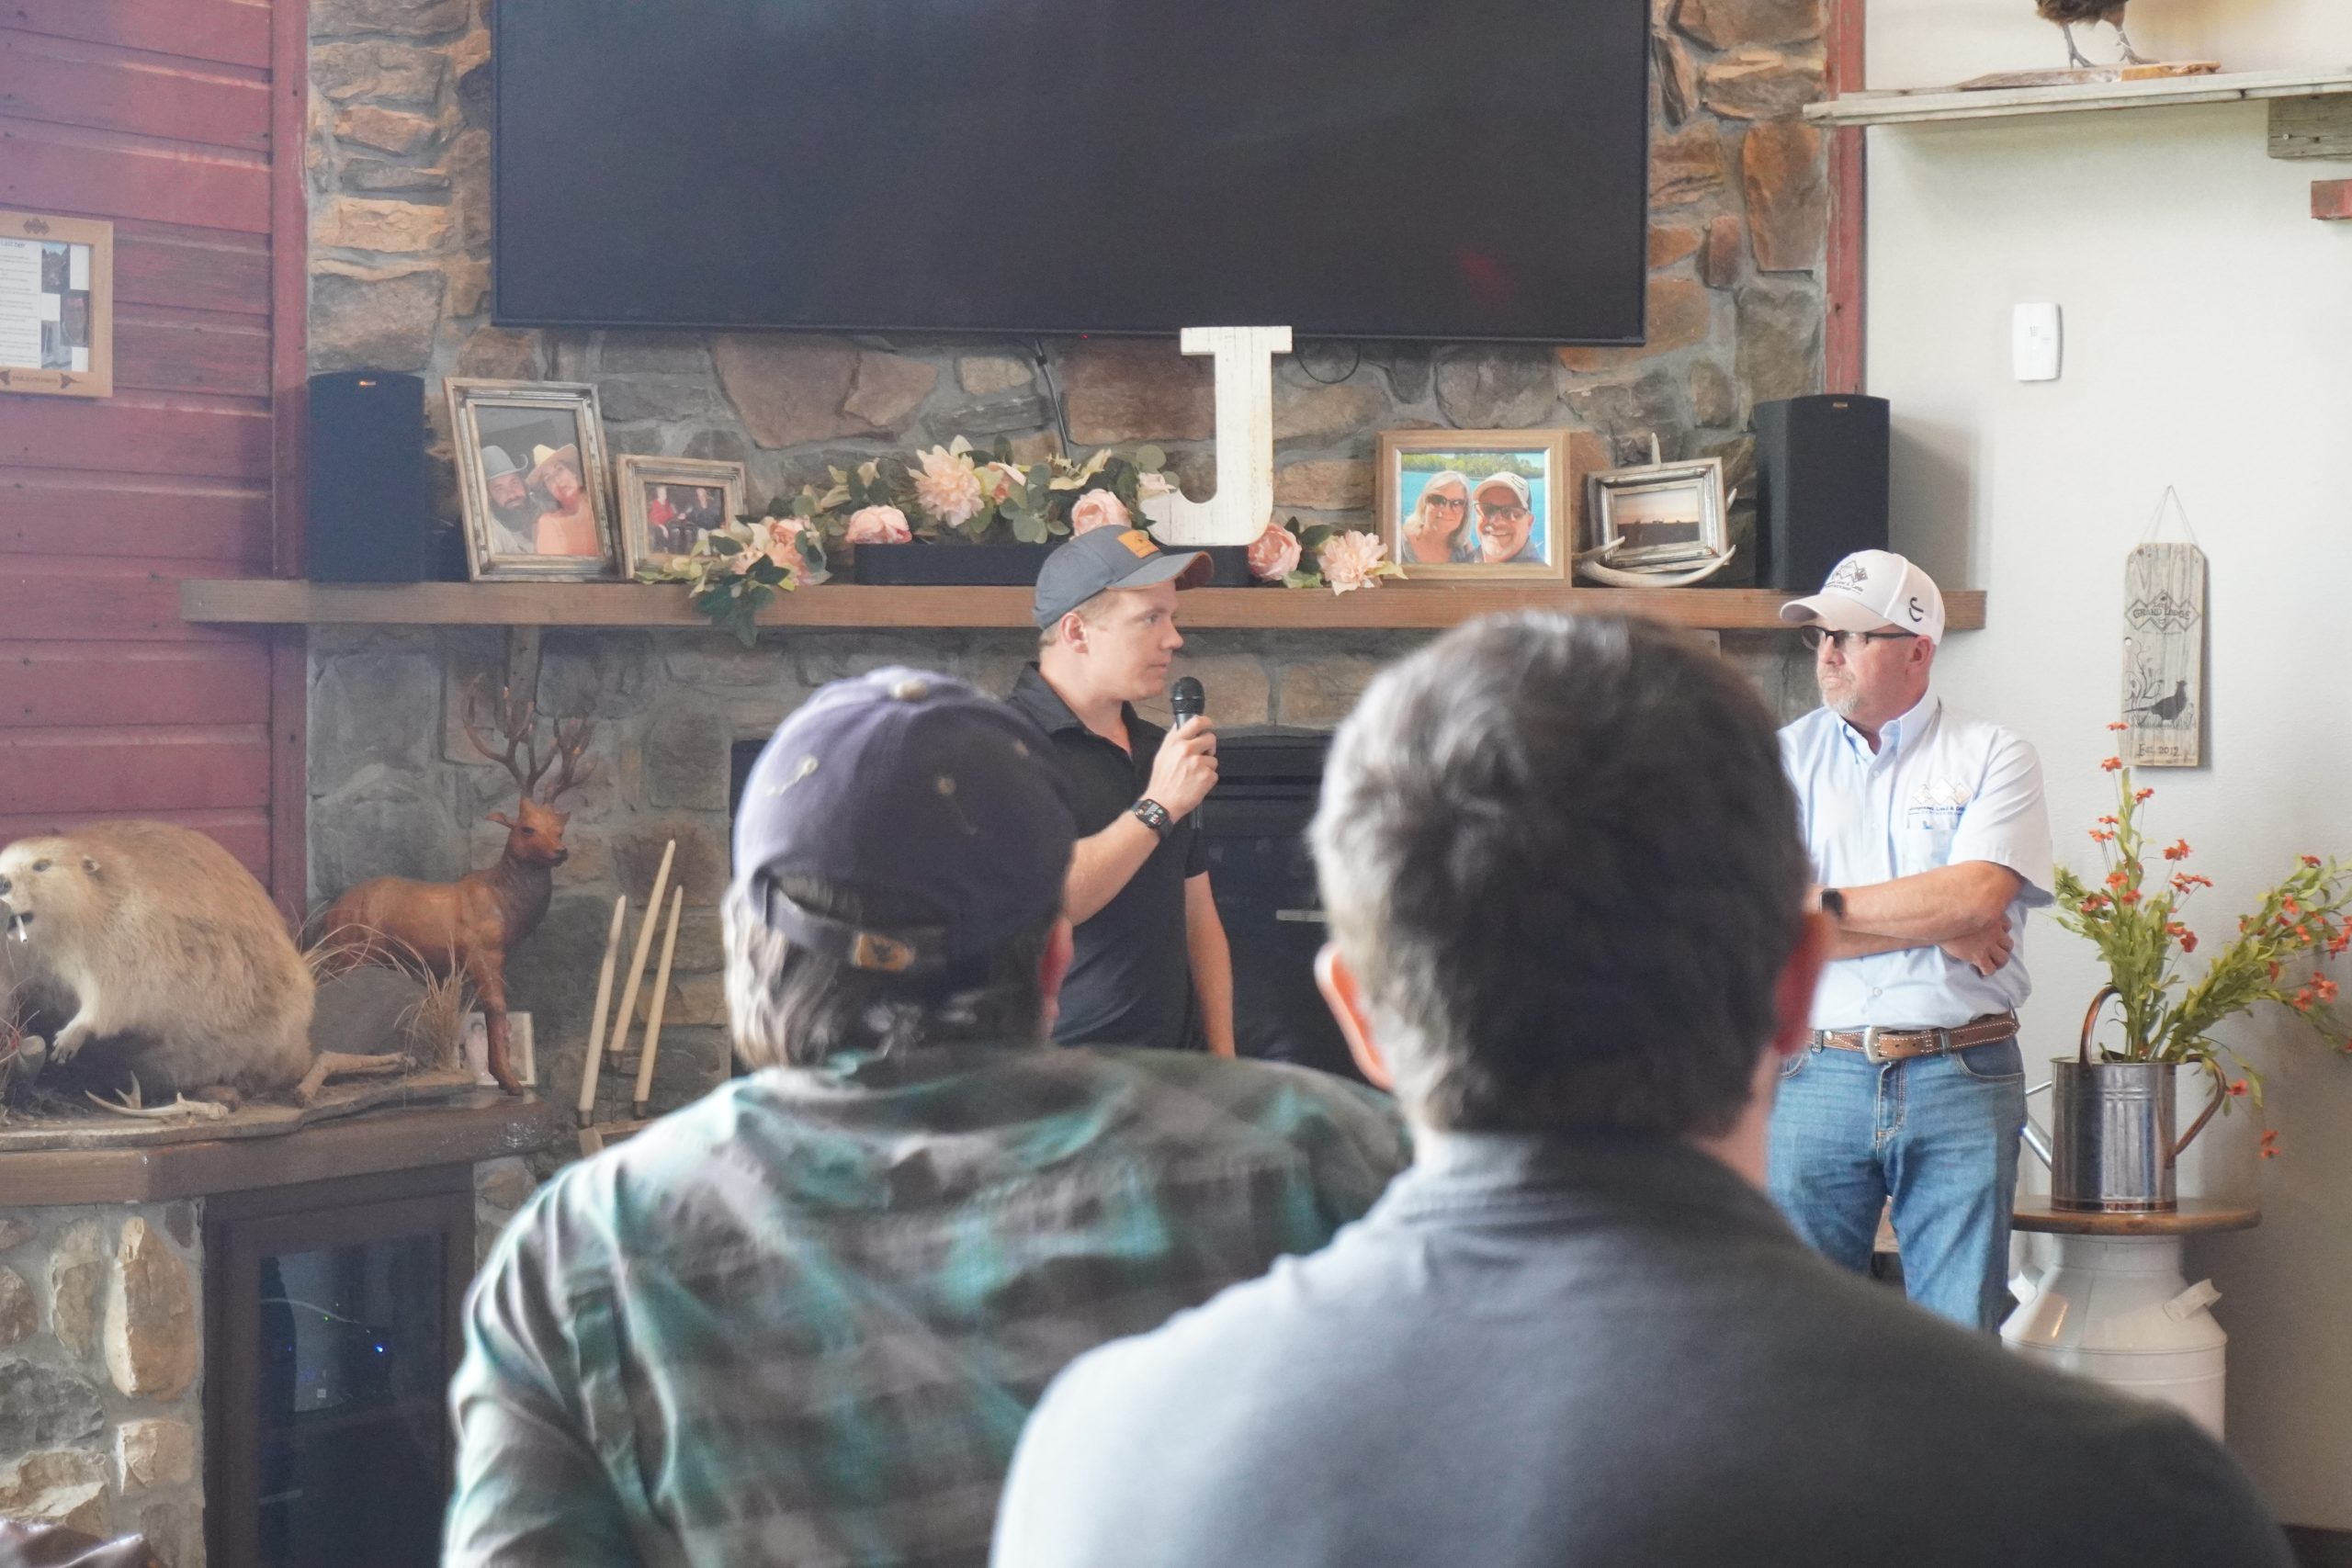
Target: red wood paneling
{"type": "Point", "coordinates": [158, 114]}
{"type": "Point", "coordinates": [88, 768]}
{"type": "Point", "coordinates": [51, 598]}
{"type": "Point", "coordinates": [195, 269]}
{"type": "Point", "coordinates": [91, 84]}
{"type": "Point", "coordinates": [1842, 338]}
{"type": "Point", "coordinates": [243, 833]}
{"type": "Point", "coordinates": [190, 351]}
{"type": "Point", "coordinates": [56, 513]}
{"type": "Point", "coordinates": [139, 433]}
{"type": "Point", "coordinates": [65, 683]}
{"type": "Point", "coordinates": [105, 173]}
{"type": "Point", "coordinates": [198, 29]}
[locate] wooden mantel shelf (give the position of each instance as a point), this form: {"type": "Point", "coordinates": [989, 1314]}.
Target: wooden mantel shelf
{"type": "Point", "coordinates": [275, 603]}
{"type": "Point", "coordinates": [1911, 107]}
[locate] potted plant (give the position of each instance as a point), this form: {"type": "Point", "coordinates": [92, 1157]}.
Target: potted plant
{"type": "Point", "coordinates": [2112, 1145]}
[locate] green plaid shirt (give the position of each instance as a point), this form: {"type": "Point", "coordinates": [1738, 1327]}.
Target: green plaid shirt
{"type": "Point", "coordinates": [803, 1320]}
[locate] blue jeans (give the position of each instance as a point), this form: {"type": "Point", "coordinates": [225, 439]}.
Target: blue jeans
{"type": "Point", "coordinates": [1937, 1133]}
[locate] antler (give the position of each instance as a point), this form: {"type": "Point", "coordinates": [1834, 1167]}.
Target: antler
{"type": "Point", "coordinates": [571, 735]}
{"type": "Point", "coordinates": [516, 719]}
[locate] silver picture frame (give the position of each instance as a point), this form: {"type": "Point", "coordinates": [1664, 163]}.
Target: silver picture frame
{"type": "Point", "coordinates": [531, 482]}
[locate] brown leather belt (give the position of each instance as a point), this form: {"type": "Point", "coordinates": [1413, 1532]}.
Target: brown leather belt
{"type": "Point", "coordinates": [1878, 1043]}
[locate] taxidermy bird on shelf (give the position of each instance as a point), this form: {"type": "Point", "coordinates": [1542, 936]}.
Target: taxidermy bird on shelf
{"type": "Point", "coordinates": [2067, 13]}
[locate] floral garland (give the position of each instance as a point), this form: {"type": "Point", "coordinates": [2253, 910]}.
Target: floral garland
{"type": "Point", "coordinates": [952, 494]}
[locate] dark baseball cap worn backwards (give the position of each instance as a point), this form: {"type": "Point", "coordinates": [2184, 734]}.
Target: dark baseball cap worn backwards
{"type": "Point", "coordinates": [1104, 558]}
{"type": "Point", "coordinates": [910, 784]}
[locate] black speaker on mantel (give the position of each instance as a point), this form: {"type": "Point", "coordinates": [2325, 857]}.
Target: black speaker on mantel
{"type": "Point", "coordinates": [368, 520]}
{"type": "Point", "coordinates": [1821, 481]}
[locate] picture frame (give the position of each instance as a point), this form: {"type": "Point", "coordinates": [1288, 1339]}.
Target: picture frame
{"type": "Point", "coordinates": [1658, 519]}
{"type": "Point", "coordinates": [667, 503]}
{"type": "Point", "coordinates": [56, 305]}
{"type": "Point", "coordinates": [1518, 480]}
{"type": "Point", "coordinates": [525, 520]}
{"type": "Point", "coordinates": [522, 1054]}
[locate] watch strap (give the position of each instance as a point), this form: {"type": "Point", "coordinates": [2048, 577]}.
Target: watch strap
{"type": "Point", "coordinates": [1152, 815]}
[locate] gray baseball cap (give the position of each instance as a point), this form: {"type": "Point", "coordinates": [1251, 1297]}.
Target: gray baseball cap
{"type": "Point", "coordinates": [912, 783]}
{"type": "Point", "coordinates": [1105, 559]}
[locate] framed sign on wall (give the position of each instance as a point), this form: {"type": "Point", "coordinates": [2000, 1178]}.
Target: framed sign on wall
{"type": "Point", "coordinates": [56, 306]}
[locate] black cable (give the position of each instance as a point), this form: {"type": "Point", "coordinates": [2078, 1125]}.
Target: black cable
{"type": "Point", "coordinates": [1353, 365]}
{"type": "Point", "coordinates": [1053, 395]}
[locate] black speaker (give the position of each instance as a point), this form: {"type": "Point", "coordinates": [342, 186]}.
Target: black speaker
{"type": "Point", "coordinates": [1821, 480]}
{"type": "Point", "coordinates": [368, 505]}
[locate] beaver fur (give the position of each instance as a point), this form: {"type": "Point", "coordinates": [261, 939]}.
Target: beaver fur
{"type": "Point", "coordinates": [164, 955]}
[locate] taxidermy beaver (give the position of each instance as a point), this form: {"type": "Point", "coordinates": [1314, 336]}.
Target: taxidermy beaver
{"type": "Point", "coordinates": [173, 960]}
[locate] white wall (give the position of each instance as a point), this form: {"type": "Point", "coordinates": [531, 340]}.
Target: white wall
{"type": "Point", "coordinates": [2209, 345]}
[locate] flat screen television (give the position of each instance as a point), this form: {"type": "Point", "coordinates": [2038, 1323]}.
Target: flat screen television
{"type": "Point", "coordinates": [1441, 169]}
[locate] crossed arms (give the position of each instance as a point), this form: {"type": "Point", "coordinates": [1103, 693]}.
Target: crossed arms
{"type": "Point", "coordinates": [1962, 909]}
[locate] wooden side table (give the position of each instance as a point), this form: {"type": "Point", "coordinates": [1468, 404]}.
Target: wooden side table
{"type": "Point", "coordinates": [2116, 1307]}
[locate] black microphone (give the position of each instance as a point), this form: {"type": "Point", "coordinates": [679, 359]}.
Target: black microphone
{"type": "Point", "coordinates": [1186, 701]}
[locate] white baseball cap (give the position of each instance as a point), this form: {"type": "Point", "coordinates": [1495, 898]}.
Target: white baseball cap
{"type": "Point", "coordinates": [1872, 589]}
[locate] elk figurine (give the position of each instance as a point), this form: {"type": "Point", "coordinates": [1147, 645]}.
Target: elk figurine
{"type": "Point", "coordinates": [468, 926]}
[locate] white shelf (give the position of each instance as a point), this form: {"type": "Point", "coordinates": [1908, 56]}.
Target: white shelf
{"type": "Point", "coordinates": [1914, 107]}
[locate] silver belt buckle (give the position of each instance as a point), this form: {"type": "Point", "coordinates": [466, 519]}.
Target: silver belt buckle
{"type": "Point", "coordinates": [1870, 1033]}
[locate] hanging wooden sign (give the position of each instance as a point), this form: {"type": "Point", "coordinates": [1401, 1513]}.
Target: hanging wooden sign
{"type": "Point", "coordinates": [56, 306]}
{"type": "Point", "coordinates": [2163, 656]}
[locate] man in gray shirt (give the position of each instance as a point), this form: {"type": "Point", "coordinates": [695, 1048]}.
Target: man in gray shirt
{"type": "Point", "coordinates": [1567, 895]}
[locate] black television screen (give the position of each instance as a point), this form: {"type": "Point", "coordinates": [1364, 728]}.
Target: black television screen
{"type": "Point", "coordinates": [1452, 169]}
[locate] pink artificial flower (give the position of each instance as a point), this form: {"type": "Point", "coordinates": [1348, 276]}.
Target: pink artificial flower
{"type": "Point", "coordinates": [1097, 509]}
{"type": "Point", "coordinates": [998, 479]}
{"type": "Point", "coordinates": [783, 545]}
{"type": "Point", "coordinates": [1348, 560]}
{"type": "Point", "coordinates": [947, 487]}
{"type": "Point", "coordinates": [879, 526]}
{"type": "Point", "coordinates": [1274, 555]}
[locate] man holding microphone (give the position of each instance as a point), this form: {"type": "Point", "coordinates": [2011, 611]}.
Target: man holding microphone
{"type": "Point", "coordinates": [1152, 967]}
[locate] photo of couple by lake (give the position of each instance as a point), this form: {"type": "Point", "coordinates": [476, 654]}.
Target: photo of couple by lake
{"type": "Point", "coordinates": [1474, 503]}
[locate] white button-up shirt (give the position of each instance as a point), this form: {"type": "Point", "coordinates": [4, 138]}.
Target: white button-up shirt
{"type": "Point", "coordinates": [1941, 789]}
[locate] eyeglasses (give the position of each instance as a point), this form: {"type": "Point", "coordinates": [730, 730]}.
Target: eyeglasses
{"type": "Point", "coordinates": [1451, 502]}
{"type": "Point", "coordinates": [1503, 514]}
{"type": "Point", "coordinates": [1815, 636]}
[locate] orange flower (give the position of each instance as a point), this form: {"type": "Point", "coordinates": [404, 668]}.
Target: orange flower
{"type": "Point", "coordinates": [2178, 851]}
{"type": "Point", "coordinates": [2119, 725]}
{"type": "Point", "coordinates": [2303, 935]}
{"type": "Point", "coordinates": [2311, 861]}
{"type": "Point", "coordinates": [2271, 1143]}
{"type": "Point", "coordinates": [2273, 966]}
{"type": "Point", "coordinates": [2188, 942]}
{"type": "Point", "coordinates": [2343, 938]}
{"type": "Point", "coordinates": [2140, 795]}
{"type": "Point", "coordinates": [2107, 821]}
{"type": "Point", "coordinates": [2117, 878]}
{"type": "Point", "coordinates": [2323, 987]}
{"type": "Point", "coordinates": [2128, 897]}
{"type": "Point", "coordinates": [2304, 1001]}
{"type": "Point", "coordinates": [2101, 836]}
{"type": "Point", "coordinates": [2111, 764]}
{"type": "Point", "coordinates": [2237, 1087]}
{"type": "Point", "coordinates": [2291, 905]}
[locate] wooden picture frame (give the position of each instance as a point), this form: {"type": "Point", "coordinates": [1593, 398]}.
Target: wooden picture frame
{"type": "Point", "coordinates": [521, 446]}
{"type": "Point", "coordinates": [1525, 476]}
{"type": "Point", "coordinates": [56, 306]}
{"type": "Point", "coordinates": [1660, 516]}
{"type": "Point", "coordinates": [713, 497]}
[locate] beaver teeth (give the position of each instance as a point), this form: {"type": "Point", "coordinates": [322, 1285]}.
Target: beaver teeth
{"type": "Point", "coordinates": [17, 926]}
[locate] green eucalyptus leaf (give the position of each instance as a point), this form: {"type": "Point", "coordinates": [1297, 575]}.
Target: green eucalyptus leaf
{"type": "Point", "coordinates": [1151, 458]}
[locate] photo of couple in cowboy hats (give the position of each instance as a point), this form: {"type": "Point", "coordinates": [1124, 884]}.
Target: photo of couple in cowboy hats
{"type": "Point", "coordinates": [531, 475]}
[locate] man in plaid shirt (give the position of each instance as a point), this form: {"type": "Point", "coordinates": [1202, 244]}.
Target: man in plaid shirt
{"type": "Point", "coordinates": [803, 1320]}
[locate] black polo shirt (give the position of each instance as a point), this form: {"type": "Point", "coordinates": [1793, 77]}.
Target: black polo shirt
{"type": "Point", "coordinates": [1131, 983]}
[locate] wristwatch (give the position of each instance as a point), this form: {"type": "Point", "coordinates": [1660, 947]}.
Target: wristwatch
{"type": "Point", "coordinates": [1152, 815]}
{"type": "Point", "coordinates": [1833, 904]}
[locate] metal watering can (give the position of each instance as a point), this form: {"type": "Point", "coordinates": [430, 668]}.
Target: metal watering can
{"type": "Point", "coordinates": [2110, 1148]}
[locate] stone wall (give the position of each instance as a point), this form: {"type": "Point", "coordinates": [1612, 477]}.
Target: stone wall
{"type": "Point", "coordinates": [101, 1409]}
{"type": "Point", "coordinates": [399, 167]}
{"type": "Point", "coordinates": [396, 789]}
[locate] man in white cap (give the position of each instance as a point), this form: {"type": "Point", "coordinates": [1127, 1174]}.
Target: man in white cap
{"type": "Point", "coordinates": [1505, 522]}
{"type": "Point", "coordinates": [1930, 841]}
